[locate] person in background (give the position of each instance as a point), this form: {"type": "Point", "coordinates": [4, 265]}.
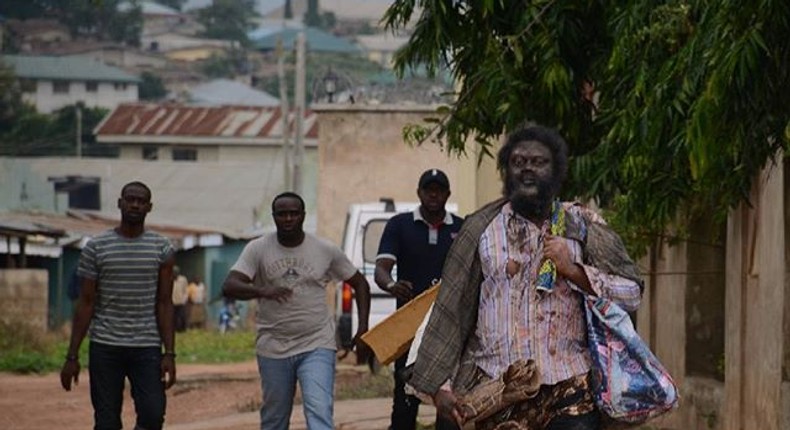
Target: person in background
{"type": "Point", "coordinates": [180, 298]}
{"type": "Point", "coordinates": [126, 302]}
{"type": "Point", "coordinates": [73, 288]}
{"type": "Point", "coordinates": [417, 242]}
{"type": "Point", "coordinates": [287, 273]}
{"type": "Point", "coordinates": [512, 291]}
{"type": "Point", "coordinates": [196, 310]}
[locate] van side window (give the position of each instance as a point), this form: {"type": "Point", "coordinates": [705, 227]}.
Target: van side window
{"type": "Point", "coordinates": [371, 238]}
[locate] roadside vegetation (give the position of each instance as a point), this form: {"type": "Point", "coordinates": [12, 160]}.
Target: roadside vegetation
{"type": "Point", "coordinates": [24, 349]}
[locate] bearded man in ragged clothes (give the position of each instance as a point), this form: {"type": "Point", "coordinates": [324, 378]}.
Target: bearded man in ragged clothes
{"type": "Point", "coordinates": [512, 289]}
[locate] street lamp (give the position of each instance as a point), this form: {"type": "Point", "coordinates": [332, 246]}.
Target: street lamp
{"type": "Point", "coordinates": [330, 84]}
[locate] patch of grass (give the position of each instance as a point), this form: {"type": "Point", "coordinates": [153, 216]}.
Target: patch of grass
{"type": "Point", "coordinates": [24, 349]}
{"type": "Point", "coordinates": [364, 386]}
{"type": "Point", "coordinates": [210, 346]}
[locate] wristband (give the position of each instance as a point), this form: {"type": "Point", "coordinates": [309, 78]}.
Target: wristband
{"type": "Point", "coordinates": [169, 353]}
{"type": "Point", "coordinates": [71, 357]}
{"type": "Point", "coordinates": [391, 284]}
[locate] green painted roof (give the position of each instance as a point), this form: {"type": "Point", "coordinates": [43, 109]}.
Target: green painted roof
{"type": "Point", "coordinates": [65, 68]}
{"type": "Point", "coordinates": [317, 41]}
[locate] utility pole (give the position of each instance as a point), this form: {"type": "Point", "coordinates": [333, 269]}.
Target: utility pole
{"type": "Point", "coordinates": [300, 105]}
{"type": "Point", "coordinates": [284, 111]}
{"type": "Point", "coordinates": [78, 108]}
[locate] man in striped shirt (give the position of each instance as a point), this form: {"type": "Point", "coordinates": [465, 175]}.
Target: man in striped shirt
{"type": "Point", "coordinates": [126, 302]}
{"type": "Point", "coordinates": [494, 308]}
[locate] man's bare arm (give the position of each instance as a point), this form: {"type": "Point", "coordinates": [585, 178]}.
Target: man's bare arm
{"type": "Point", "coordinates": [239, 286]}
{"type": "Point", "coordinates": [362, 297]}
{"type": "Point", "coordinates": [401, 289]}
{"type": "Point", "coordinates": [79, 328]}
{"type": "Point", "coordinates": [165, 320]}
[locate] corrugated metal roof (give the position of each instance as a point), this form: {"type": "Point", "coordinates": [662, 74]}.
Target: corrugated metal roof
{"type": "Point", "coordinates": [76, 225]}
{"type": "Point", "coordinates": [65, 68]}
{"type": "Point", "coordinates": [317, 41]}
{"type": "Point", "coordinates": [27, 227]}
{"type": "Point", "coordinates": [225, 91]}
{"type": "Point", "coordinates": [148, 119]}
{"type": "Point", "coordinates": [150, 8]}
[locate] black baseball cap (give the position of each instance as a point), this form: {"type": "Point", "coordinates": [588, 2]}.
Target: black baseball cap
{"type": "Point", "coordinates": [434, 176]}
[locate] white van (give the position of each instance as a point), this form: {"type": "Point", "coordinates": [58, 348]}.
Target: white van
{"type": "Point", "coordinates": [364, 226]}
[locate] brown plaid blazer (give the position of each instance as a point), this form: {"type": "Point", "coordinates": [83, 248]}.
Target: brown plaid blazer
{"type": "Point", "coordinates": [445, 349]}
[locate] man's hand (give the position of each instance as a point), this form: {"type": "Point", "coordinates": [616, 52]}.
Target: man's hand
{"type": "Point", "coordinates": [555, 249]}
{"type": "Point", "coordinates": [168, 372]}
{"type": "Point", "coordinates": [361, 348]}
{"type": "Point", "coordinates": [402, 290]}
{"type": "Point", "coordinates": [70, 372]}
{"type": "Point", "coordinates": [448, 407]}
{"type": "Point", "coordinates": [278, 294]}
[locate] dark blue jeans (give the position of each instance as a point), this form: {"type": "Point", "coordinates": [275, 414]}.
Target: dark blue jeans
{"type": "Point", "coordinates": [108, 367]}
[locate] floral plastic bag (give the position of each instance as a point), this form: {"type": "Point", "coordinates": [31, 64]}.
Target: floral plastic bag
{"type": "Point", "coordinates": [629, 383]}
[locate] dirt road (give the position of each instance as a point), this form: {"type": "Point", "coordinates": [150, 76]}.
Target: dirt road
{"type": "Point", "coordinates": [203, 392]}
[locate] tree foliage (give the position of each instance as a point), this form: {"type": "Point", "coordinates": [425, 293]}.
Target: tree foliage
{"type": "Point", "coordinates": [151, 87]}
{"type": "Point", "coordinates": [175, 4]}
{"type": "Point", "coordinates": [116, 20]}
{"type": "Point", "coordinates": [36, 134]}
{"type": "Point", "coordinates": [229, 19]}
{"type": "Point", "coordinates": [670, 107]}
{"type": "Point", "coordinates": [11, 104]}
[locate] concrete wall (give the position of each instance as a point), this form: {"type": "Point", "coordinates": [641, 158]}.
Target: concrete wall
{"type": "Point", "coordinates": [754, 343]}
{"type": "Point", "coordinates": [23, 296]}
{"type": "Point", "coordinates": [362, 157]}
{"type": "Point", "coordinates": [108, 95]}
{"type": "Point", "coordinates": [193, 54]}
{"type": "Point", "coordinates": [125, 58]}
{"type": "Point", "coordinates": [215, 153]}
{"type": "Point", "coordinates": [679, 318]}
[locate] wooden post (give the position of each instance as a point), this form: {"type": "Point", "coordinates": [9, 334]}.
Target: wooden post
{"type": "Point", "coordinates": [289, 156]}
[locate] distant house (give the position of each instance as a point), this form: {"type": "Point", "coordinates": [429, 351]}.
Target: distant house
{"type": "Point", "coordinates": [381, 47]}
{"type": "Point", "coordinates": [362, 11]}
{"type": "Point", "coordinates": [180, 47]}
{"type": "Point", "coordinates": [34, 34]}
{"type": "Point", "coordinates": [110, 53]}
{"type": "Point", "coordinates": [227, 92]}
{"type": "Point", "coordinates": [157, 18]}
{"type": "Point", "coordinates": [50, 83]}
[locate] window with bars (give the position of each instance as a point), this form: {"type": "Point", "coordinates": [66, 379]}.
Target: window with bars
{"type": "Point", "coordinates": [184, 154]}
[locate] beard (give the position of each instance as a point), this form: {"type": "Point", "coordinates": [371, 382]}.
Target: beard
{"type": "Point", "coordinates": [530, 203]}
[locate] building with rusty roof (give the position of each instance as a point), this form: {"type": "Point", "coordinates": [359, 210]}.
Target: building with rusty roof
{"type": "Point", "coordinates": [52, 242]}
{"type": "Point", "coordinates": [148, 131]}
{"type": "Point", "coordinates": [208, 166]}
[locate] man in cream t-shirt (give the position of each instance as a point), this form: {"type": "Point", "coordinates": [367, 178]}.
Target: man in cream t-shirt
{"type": "Point", "coordinates": [287, 272]}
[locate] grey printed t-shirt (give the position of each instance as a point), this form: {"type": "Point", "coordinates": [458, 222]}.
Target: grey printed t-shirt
{"type": "Point", "coordinates": [303, 323]}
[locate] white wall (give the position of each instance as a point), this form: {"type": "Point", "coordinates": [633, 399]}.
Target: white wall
{"type": "Point", "coordinates": [218, 195]}
{"type": "Point", "coordinates": [124, 58]}
{"type": "Point", "coordinates": [106, 95]}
